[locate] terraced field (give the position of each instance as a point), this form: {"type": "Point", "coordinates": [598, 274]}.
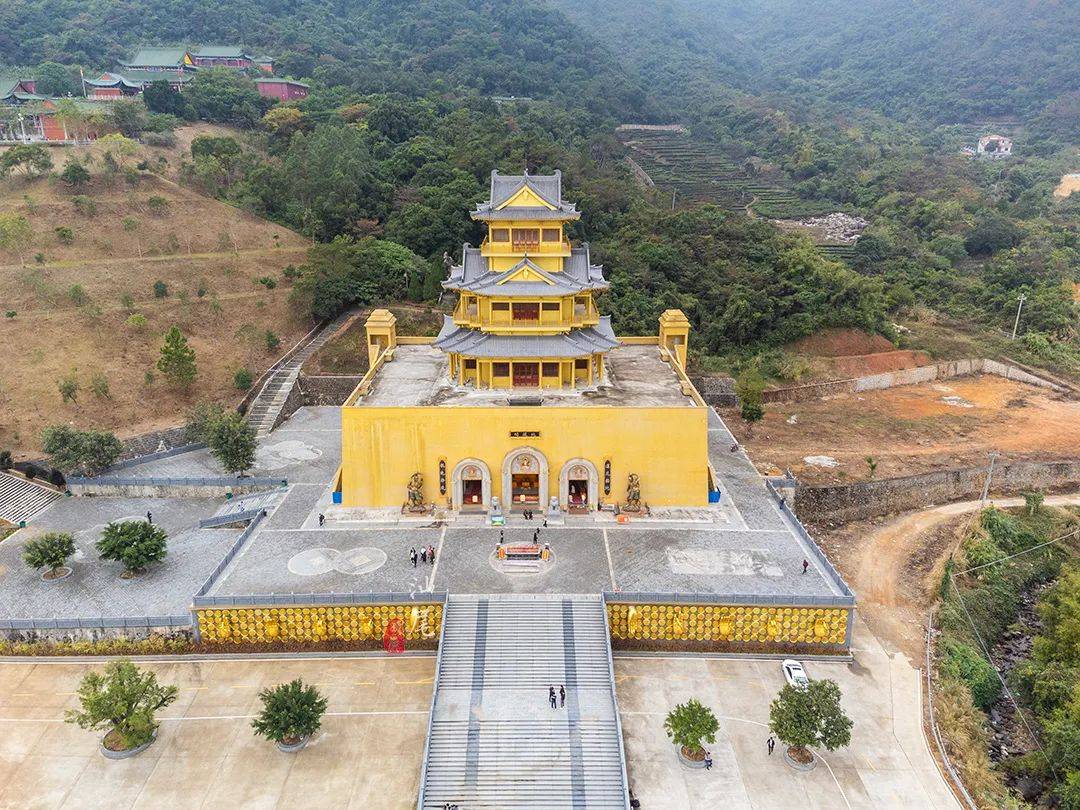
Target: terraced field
{"type": "Point", "coordinates": [698, 172]}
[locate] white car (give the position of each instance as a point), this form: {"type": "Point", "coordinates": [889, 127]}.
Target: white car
{"type": "Point", "coordinates": [795, 674]}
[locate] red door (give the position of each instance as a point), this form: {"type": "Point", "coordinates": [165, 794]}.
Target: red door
{"type": "Point", "coordinates": [526, 374]}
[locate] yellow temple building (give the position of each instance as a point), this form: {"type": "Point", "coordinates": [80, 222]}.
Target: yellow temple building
{"type": "Point", "coordinates": [526, 399]}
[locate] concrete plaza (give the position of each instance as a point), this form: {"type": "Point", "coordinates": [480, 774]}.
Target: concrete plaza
{"type": "Point", "coordinates": [887, 766]}
{"type": "Point", "coordinates": [367, 754]}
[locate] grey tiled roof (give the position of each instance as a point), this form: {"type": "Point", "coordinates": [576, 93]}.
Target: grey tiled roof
{"type": "Point", "coordinates": [546, 186]}
{"type": "Point", "coordinates": [526, 213]}
{"type": "Point", "coordinates": [472, 275]}
{"type": "Point", "coordinates": [575, 343]}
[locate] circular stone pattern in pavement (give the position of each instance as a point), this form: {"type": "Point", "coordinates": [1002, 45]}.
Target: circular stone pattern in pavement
{"type": "Point", "coordinates": [282, 454]}
{"type": "Point", "coordinates": [355, 561]}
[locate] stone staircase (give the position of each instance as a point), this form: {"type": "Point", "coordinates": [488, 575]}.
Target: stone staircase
{"type": "Point", "coordinates": [21, 499]}
{"type": "Point", "coordinates": [267, 406]}
{"type": "Point", "coordinates": [495, 742]}
{"type": "Point", "coordinates": [240, 510]}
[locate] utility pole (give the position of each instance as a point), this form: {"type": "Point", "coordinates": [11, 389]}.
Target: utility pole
{"type": "Point", "coordinates": [989, 475]}
{"type": "Point", "coordinates": [1019, 306]}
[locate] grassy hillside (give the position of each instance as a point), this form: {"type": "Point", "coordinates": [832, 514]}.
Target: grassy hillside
{"type": "Point", "coordinates": [77, 305]}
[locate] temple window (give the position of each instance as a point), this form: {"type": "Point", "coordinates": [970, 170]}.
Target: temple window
{"type": "Point", "coordinates": [552, 306]}
{"type": "Point", "coordinates": [500, 306]}
{"type": "Point", "coordinates": [470, 364]}
{"type": "Point", "coordinates": [500, 234]}
{"type": "Point", "coordinates": [552, 235]}
{"type": "Point", "coordinates": [550, 369]}
{"type": "Point", "coordinates": [526, 238]}
{"type": "Point", "coordinates": [581, 364]}
{"type": "Point", "coordinates": [526, 312]}
{"type": "Point", "coordinates": [500, 369]}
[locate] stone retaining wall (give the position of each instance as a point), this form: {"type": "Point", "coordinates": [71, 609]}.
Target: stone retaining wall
{"type": "Point", "coordinates": [192, 490]}
{"type": "Point", "coordinates": [718, 392]}
{"type": "Point", "coordinates": [153, 442]}
{"type": "Point", "coordinates": [64, 635]}
{"type": "Point", "coordinates": [849, 502]}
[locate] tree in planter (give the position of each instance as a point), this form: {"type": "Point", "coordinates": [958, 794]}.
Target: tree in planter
{"type": "Point", "coordinates": [291, 713]}
{"type": "Point", "coordinates": [807, 716]}
{"type": "Point", "coordinates": [688, 725]}
{"type": "Point", "coordinates": [49, 551]}
{"type": "Point", "coordinates": [231, 440]}
{"type": "Point", "coordinates": [749, 388]}
{"type": "Point", "coordinates": [135, 543]}
{"type": "Point", "coordinates": [177, 361]}
{"type": "Point", "coordinates": [123, 700]}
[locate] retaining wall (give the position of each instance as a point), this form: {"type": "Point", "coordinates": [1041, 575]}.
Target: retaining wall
{"type": "Point", "coordinates": [69, 630]}
{"type": "Point", "coordinates": [176, 488]}
{"type": "Point", "coordinates": [848, 502]}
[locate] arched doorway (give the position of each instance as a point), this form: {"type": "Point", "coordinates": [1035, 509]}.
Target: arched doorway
{"type": "Point", "coordinates": [579, 486]}
{"type": "Point", "coordinates": [525, 479]}
{"type": "Point", "coordinates": [471, 485]}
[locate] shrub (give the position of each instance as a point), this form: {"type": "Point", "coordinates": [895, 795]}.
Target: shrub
{"type": "Point", "coordinates": [64, 235]}
{"type": "Point", "coordinates": [749, 388]}
{"type": "Point", "coordinates": [10, 313]}
{"type": "Point", "coordinates": [242, 379]}
{"type": "Point", "coordinates": [49, 551]}
{"type": "Point", "coordinates": [134, 543]}
{"type": "Point", "coordinates": [75, 174]}
{"type": "Point", "coordinates": [267, 282]}
{"type": "Point", "coordinates": [129, 223]}
{"type": "Point", "coordinates": [123, 700]}
{"type": "Point", "coordinates": [78, 295]}
{"type": "Point", "coordinates": [964, 663]}
{"type": "Point", "coordinates": [272, 341]}
{"type": "Point", "coordinates": [689, 724]}
{"type": "Point", "coordinates": [161, 289]}
{"type": "Point", "coordinates": [291, 712]}
{"type": "Point", "coordinates": [84, 205]}
{"type": "Point", "coordinates": [69, 388]}
{"type": "Point", "coordinates": [99, 385]}
{"type": "Point", "coordinates": [810, 716]}
{"type": "Point", "coordinates": [5, 460]}
{"type": "Point", "coordinates": [136, 321]}
{"type": "Point", "coordinates": [158, 206]}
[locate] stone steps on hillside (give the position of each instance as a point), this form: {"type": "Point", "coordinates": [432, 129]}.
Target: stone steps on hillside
{"type": "Point", "coordinates": [21, 499]}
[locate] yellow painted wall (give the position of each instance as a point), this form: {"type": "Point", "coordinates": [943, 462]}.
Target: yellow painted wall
{"type": "Point", "coordinates": [383, 447]}
{"type": "Point", "coordinates": [270, 624]}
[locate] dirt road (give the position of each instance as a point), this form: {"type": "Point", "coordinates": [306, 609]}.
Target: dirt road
{"type": "Point", "coordinates": [893, 567]}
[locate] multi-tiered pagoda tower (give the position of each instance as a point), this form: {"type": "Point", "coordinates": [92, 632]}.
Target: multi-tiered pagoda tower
{"type": "Point", "coordinates": [526, 316]}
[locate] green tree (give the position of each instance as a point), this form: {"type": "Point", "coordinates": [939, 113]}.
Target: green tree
{"type": "Point", "coordinates": [134, 543]}
{"type": "Point", "coordinates": [123, 700]}
{"type": "Point", "coordinates": [85, 452]}
{"type": "Point", "coordinates": [291, 713]}
{"type": "Point", "coordinates": [159, 97]}
{"type": "Point", "coordinates": [199, 420]}
{"type": "Point", "coordinates": [177, 361]}
{"type": "Point", "coordinates": [129, 117]}
{"type": "Point", "coordinates": [15, 234]}
{"type": "Point", "coordinates": [49, 551]}
{"type": "Point", "coordinates": [75, 174]}
{"type": "Point", "coordinates": [30, 159]}
{"type": "Point", "coordinates": [231, 440]}
{"type": "Point", "coordinates": [749, 388]}
{"type": "Point", "coordinates": [54, 79]}
{"type": "Point", "coordinates": [810, 716]}
{"type": "Point", "coordinates": [689, 724]}
{"type": "Point", "coordinates": [225, 96]}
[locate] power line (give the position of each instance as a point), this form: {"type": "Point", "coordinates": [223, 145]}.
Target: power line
{"type": "Point", "coordinates": [1017, 554]}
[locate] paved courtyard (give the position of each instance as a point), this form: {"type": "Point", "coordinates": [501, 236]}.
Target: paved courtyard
{"type": "Point", "coordinates": [887, 765]}
{"type": "Point", "coordinates": [367, 754]}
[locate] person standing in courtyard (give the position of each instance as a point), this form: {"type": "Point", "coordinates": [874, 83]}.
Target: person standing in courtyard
{"type": "Point", "coordinates": [708, 760]}
{"type": "Point", "coordinates": [562, 696]}
{"type": "Point", "coordinates": [149, 518]}
{"type": "Point", "coordinates": [431, 554]}
{"type": "Point", "coordinates": [551, 697]}
{"type": "Point", "coordinates": [412, 557]}
{"type": "Point", "coordinates": [770, 744]}
{"type": "Point", "coordinates": [423, 554]}
{"type": "Point", "coordinates": [805, 565]}
{"type": "Point", "coordinates": [322, 519]}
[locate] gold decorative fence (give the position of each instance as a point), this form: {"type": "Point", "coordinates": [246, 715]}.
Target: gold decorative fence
{"type": "Point", "coordinates": [317, 623]}
{"type": "Point", "coordinates": [729, 625]}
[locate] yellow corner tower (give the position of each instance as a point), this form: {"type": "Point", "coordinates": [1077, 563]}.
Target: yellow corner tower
{"type": "Point", "coordinates": [525, 315]}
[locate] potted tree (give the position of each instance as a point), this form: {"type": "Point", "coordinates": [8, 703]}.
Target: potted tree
{"type": "Point", "coordinates": [688, 725]}
{"type": "Point", "coordinates": [809, 715]}
{"type": "Point", "coordinates": [291, 714]}
{"type": "Point", "coordinates": [123, 700]}
{"type": "Point", "coordinates": [51, 552]}
{"type": "Point", "coordinates": [135, 543]}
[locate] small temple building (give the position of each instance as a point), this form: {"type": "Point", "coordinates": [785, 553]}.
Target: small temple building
{"type": "Point", "coordinates": [526, 399]}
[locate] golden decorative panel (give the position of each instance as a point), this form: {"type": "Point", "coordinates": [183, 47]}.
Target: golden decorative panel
{"type": "Point", "coordinates": [314, 623]}
{"type": "Point", "coordinates": [729, 623]}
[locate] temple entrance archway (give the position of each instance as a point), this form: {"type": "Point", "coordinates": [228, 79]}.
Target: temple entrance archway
{"type": "Point", "coordinates": [525, 479]}
{"type": "Point", "coordinates": [579, 486]}
{"type": "Point", "coordinates": [470, 485]}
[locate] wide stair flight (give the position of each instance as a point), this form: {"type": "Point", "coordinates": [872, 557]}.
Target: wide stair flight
{"type": "Point", "coordinates": [21, 499]}
{"type": "Point", "coordinates": [495, 741]}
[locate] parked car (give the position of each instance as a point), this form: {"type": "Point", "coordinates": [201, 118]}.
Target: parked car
{"type": "Point", "coordinates": [795, 674]}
